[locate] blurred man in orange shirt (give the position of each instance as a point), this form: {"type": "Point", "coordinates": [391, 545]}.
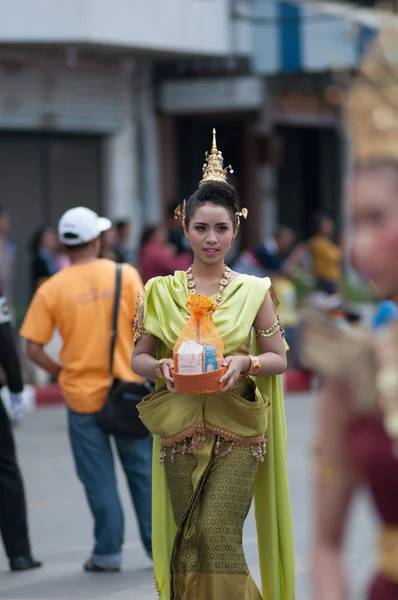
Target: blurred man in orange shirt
{"type": "Point", "coordinates": [78, 301]}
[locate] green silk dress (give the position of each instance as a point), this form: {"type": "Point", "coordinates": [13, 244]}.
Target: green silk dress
{"type": "Point", "coordinates": [212, 454]}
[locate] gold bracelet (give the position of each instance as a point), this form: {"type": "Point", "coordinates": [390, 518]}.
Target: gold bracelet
{"type": "Point", "coordinates": [158, 369]}
{"type": "Point", "coordinates": [255, 365]}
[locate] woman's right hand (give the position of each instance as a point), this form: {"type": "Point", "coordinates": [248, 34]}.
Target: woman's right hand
{"type": "Point", "coordinates": [166, 372]}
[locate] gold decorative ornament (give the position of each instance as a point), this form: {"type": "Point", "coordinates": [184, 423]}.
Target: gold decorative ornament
{"type": "Point", "coordinates": [158, 370]}
{"type": "Point", "coordinates": [223, 283]}
{"type": "Point", "coordinates": [372, 103]}
{"type": "Point", "coordinates": [213, 168]}
{"type": "Point", "coordinates": [255, 365]}
{"type": "Point", "coordinates": [239, 215]}
{"type": "Point", "coordinates": [194, 437]}
{"type": "Point", "coordinates": [138, 321]}
{"type": "Point", "coordinates": [367, 361]}
{"type": "Point", "coordinates": [180, 213]}
{"type": "Point", "coordinates": [273, 330]}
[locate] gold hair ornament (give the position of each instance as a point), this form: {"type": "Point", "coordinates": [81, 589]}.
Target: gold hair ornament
{"type": "Point", "coordinates": [180, 213]}
{"type": "Point", "coordinates": [241, 214]}
{"type": "Point", "coordinates": [213, 168]}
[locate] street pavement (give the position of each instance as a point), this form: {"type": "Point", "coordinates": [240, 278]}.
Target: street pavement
{"type": "Point", "coordinates": [62, 528]}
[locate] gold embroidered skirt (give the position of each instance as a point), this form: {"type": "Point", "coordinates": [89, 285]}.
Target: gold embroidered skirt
{"type": "Point", "coordinates": [208, 562]}
{"type": "Point", "coordinates": [210, 472]}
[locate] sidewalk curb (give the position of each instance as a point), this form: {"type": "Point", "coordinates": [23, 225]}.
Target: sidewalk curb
{"type": "Point", "coordinates": [294, 381]}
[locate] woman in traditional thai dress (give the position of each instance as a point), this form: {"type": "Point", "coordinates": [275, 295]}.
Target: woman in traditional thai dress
{"type": "Point", "coordinates": [358, 422]}
{"type": "Point", "coordinates": [214, 452]}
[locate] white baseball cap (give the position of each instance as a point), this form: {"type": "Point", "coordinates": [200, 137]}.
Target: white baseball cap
{"type": "Point", "coordinates": [80, 225]}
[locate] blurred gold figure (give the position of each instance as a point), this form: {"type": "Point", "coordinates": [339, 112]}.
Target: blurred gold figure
{"type": "Point", "coordinates": [358, 421]}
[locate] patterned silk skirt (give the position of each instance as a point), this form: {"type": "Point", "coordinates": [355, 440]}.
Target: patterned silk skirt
{"type": "Point", "coordinates": [211, 492]}
{"type": "Point", "coordinates": [211, 446]}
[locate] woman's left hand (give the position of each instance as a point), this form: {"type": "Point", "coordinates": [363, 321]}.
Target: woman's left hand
{"type": "Point", "coordinates": [236, 365]}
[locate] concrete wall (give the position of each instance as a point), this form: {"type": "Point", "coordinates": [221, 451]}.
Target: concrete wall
{"type": "Point", "coordinates": [183, 26]}
{"type": "Point", "coordinates": [120, 159]}
{"type": "Point", "coordinates": [131, 158]}
{"type": "Point", "coordinates": [88, 98]}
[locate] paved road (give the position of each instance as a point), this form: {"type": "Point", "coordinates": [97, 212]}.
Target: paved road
{"type": "Point", "coordinates": [61, 525]}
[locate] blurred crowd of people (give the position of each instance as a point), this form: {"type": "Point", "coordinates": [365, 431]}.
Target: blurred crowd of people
{"type": "Point", "coordinates": [295, 267]}
{"type": "Point", "coordinates": [161, 250]}
{"type": "Point", "coordinates": [316, 263]}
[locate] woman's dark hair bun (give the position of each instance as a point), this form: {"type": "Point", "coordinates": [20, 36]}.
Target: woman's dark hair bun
{"type": "Point", "coordinates": [219, 193]}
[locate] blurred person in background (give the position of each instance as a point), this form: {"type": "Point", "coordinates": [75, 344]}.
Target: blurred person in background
{"type": "Point", "coordinates": [79, 301]}
{"type": "Point", "coordinates": [157, 256]}
{"type": "Point", "coordinates": [279, 259]}
{"type": "Point", "coordinates": [109, 241]}
{"type": "Point", "coordinates": [275, 256]}
{"type": "Point", "coordinates": [357, 430]}
{"type": "Point", "coordinates": [273, 253]}
{"type": "Point", "coordinates": [13, 516]}
{"type": "Point", "coordinates": [287, 312]}
{"type": "Point", "coordinates": [44, 262]}
{"type": "Point", "coordinates": [248, 264]}
{"type": "Point", "coordinates": [327, 256]}
{"type": "Point", "coordinates": [123, 247]}
{"type": "Point", "coordinates": [7, 257]}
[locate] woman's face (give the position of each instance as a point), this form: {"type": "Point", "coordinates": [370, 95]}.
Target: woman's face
{"type": "Point", "coordinates": [211, 232]}
{"type": "Point", "coordinates": [374, 205]}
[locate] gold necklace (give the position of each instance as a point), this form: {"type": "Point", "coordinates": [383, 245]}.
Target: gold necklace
{"type": "Point", "coordinates": [223, 283]}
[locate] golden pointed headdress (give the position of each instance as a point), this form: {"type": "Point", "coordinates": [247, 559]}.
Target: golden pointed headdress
{"type": "Point", "coordinates": [372, 106]}
{"type": "Point", "coordinates": [213, 168]}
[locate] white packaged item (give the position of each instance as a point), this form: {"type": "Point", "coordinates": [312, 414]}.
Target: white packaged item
{"type": "Point", "coordinates": [190, 358]}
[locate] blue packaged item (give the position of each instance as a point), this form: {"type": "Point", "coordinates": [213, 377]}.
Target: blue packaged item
{"type": "Point", "coordinates": [210, 362]}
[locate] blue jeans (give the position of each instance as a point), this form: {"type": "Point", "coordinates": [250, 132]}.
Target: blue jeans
{"type": "Point", "coordinates": [95, 467]}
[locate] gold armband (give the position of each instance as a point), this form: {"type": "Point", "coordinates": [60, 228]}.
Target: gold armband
{"type": "Point", "coordinates": [274, 329]}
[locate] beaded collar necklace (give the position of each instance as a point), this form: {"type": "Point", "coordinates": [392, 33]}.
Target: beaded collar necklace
{"type": "Point", "coordinates": [223, 283]}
